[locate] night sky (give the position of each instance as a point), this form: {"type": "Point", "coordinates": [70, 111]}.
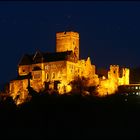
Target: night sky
{"type": "Point", "coordinates": [109, 31]}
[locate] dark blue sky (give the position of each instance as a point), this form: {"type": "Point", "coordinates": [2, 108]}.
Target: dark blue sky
{"type": "Point", "coordinates": [109, 31]}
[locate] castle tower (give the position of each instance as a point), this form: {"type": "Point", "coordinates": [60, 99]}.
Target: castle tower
{"type": "Point", "coordinates": [68, 41]}
{"type": "Point", "coordinates": [114, 72]}
{"type": "Point", "coordinates": [126, 72]}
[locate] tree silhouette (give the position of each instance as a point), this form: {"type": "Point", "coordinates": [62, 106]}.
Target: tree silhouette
{"type": "Point", "coordinates": [79, 84]}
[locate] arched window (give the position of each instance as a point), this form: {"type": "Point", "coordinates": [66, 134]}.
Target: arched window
{"type": "Point", "coordinates": [78, 71]}
{"type": "Point", "coordinates": [47, 76]}
{"type": "Point", "coordinates": [53, 75]}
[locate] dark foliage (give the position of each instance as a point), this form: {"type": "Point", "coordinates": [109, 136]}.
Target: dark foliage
{"type": "Point", "coordinates": [71, 116]}
{"type": "Point", "coordinates": [134, 75]}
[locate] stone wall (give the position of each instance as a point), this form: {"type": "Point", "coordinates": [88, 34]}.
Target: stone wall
{"type": "Point", "coordinates": [65, 71]}
{"type": "Point", "coordinates": [18, 88]}
{"type": "Point", "coordinates": [24, 70]}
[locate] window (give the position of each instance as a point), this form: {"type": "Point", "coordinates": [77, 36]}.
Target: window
{"type": "Point", "coordinates": [132, 87]}
{"type": "Point", "coordinates": [71, 66]}
{"type": "Point", "coordinates": [78, 70]}
{"type": "Point", "coordinates": [53, 75]}
{"type": "Point", "coordinates": [59, 75]}
{"type": "Point", "coordinates": [46, 67]}
{"type": "Point", "coordinates": [47, 76]}
{"type": "Point", "coordinates": [36, 76]}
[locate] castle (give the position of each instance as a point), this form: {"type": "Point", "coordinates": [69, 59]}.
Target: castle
{"type": "Point", "coordinates": [56, 70]}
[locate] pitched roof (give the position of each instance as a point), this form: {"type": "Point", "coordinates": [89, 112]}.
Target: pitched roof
{"type": "Point", "coordinates": [49, 57]}
{"type": "Point", "coordinates": [26, 60]}
{"type": "Point", "coordinates": [46, 57]}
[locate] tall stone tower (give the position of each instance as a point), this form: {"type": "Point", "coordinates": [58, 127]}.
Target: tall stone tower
{"type": "Point", "coordinates": [114, 72]}
{"type": "Point", "coordinates": [68, 41]}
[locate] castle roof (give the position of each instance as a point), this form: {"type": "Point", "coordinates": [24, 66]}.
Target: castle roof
{"type": "Point", "coordinates": [40, 57]}
{"type": "Point", "coordinates": [26, 60]}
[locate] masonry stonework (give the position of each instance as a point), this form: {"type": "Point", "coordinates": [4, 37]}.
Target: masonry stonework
{"type": "Point", "coordinates": [56, 70]}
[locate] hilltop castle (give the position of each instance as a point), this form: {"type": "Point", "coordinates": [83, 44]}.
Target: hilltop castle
{"type": "Point", "coordinates": [56, 70]}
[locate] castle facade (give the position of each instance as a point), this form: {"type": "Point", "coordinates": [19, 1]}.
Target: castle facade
{"type": "Point", "coordinates": [44, 70]}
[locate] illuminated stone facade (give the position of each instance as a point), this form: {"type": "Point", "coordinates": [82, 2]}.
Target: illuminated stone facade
{"type": "Point", "coordinates": [115, 78]}
{"type": "Point", "coordinates": [68, 41]}
{"type": "Point", "coordinates": [56, 70]}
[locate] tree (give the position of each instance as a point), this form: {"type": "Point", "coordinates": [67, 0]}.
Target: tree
{"type": "Point", "coordinates": [79, 84]}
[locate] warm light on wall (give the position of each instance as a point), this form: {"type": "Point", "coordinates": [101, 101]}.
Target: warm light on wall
{"type": "Point", "coordinates": [64, 71]}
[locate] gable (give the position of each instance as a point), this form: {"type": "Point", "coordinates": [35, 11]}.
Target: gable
{"type": "Point", "coordinates": [38, 57]}
{"type": "Point", "coordinates": [25, 60]}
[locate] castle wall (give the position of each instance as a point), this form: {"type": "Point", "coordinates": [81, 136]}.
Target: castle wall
{"type": "Point", "coordinates": [55, 71]}
{"type": "Point", "coordinates": [51, 71]}
{"type": "Point", "coordinates": [72, 70]}
{"type": "Point", "coordinates": [66, 71]}
{"type": "Point", "coordinates": [103, 88]}
{"type": "Point", "coordinates": [116, 77]}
